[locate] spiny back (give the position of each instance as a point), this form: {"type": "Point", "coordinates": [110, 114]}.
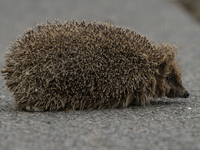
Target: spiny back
{"type": "Point", "coordinates": [80, 65]}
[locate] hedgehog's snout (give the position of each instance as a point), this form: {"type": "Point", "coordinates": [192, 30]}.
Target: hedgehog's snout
{"type": "Point", "coordinates": [186, 94]}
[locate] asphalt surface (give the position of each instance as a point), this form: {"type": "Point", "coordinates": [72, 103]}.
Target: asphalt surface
{"type": "Point", "coordinates": [169, 124]}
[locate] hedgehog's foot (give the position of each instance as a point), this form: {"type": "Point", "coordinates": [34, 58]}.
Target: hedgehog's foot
{"type": "Point", "coordinates": [138, 102]}
{"type": "Point", "coordinates": [31, 109]}
{"type": "Point", "coordinates": [147, 102]}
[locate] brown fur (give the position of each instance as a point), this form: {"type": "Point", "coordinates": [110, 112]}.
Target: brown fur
{"type": "Point", "coordinates": [77, 66]}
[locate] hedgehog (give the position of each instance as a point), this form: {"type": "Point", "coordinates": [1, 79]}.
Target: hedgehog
{"type": "Point", "coordinates": [84, 66]}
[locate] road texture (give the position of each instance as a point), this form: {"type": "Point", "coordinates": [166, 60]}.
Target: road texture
{"type": "Point", "coordinates": [169, 124]}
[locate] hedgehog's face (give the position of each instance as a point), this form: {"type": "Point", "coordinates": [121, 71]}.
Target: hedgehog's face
{"type": "Point", "coordinates": [173, 83]}
{"type": "Point", "coordinates": [174, 87]}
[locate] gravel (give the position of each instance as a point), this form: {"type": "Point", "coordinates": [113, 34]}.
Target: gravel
{"type": "Point", "coordinates": [168, 124]}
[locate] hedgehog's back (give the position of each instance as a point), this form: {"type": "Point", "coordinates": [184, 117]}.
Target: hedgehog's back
{"type": "Point", "coordinates": [78, 66]}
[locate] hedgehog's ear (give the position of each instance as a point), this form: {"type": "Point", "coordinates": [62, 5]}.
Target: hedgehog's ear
{"type": "Point", "coordinates": [169, 53]}
{"type": "Point", "coordinates": [164, 67]}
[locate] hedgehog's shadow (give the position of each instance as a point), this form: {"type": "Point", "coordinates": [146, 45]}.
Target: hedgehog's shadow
{"type": "Point", "coordinates": [168, 103]}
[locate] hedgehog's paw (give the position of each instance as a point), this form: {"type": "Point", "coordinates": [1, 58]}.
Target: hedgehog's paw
{"type": "Point", "coordinates": [138, 102]}
{"type": "Point", "coordinates": [31, 109]}
{"type": "Point", "coordinates": [147, 102]}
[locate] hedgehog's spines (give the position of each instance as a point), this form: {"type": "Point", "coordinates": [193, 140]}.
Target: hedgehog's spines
{"type": "Point", "coordinates": [74, 65]}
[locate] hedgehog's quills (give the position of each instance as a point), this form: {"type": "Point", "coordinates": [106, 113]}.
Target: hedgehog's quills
{"type": "Point", "coordinates": [77, 66]}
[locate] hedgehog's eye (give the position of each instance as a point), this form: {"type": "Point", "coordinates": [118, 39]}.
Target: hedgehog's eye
{"type": "Point", "coordinates": [170, 78]}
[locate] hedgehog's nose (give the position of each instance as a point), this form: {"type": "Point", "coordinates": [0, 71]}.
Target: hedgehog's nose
{"type": "Point", "coordinates": [186, 94]}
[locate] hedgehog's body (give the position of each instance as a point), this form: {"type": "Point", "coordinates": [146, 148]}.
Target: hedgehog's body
{"type": "Point", "coordinates": [74, 66]}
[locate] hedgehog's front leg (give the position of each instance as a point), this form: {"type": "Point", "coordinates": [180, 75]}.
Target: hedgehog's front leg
{"type": "Point", "coordinates": [142, 101]}
{"type": "Point", "coordinates": [147, 102]}
{"type": "Point", "coordinates": [137, 100]}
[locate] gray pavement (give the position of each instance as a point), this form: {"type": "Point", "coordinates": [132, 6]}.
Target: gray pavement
{"type": "Point", "coordinates": [169, 124]}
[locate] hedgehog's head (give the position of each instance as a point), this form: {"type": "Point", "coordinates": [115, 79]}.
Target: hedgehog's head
{"type": "Point", "coordinates": [173, 83]}
{"type": "Point", "coordinates": [169, 81]}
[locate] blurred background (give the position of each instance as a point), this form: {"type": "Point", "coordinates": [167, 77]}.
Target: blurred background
{"type": "Point", "coordinates": [193, 6]}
